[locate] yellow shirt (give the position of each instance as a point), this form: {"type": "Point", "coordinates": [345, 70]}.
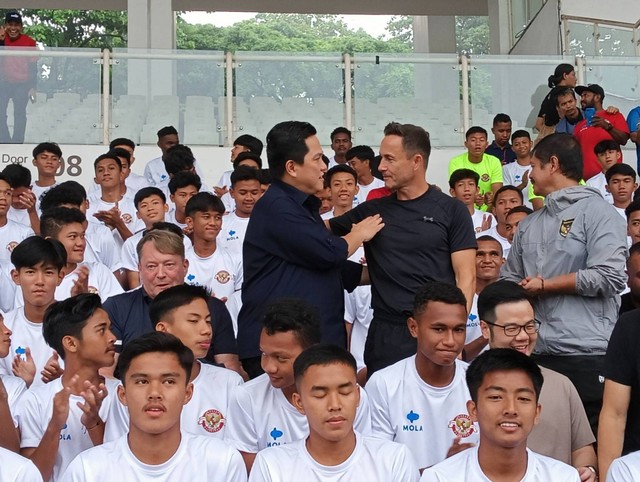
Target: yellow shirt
{"type": "Point", "coordinates": [489, 169]}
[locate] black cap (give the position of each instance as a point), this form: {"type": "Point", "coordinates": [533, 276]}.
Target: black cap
{"type": "Point", "coordinates": [13, 17]}
{"type": "Point", "coordinates": [595, 88]}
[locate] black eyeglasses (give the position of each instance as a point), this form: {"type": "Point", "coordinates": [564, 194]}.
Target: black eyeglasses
{"type": "Point", "coordinates": [514, 330]}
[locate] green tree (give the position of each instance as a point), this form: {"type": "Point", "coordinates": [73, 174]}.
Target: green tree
{"type": "Point", "coordinates": [400, 28]}
{"type": "Point", "coordinates": [472, 35]}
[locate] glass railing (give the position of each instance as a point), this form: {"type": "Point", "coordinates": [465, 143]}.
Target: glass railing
{"type": "Point", "coordinates": [212, 97]}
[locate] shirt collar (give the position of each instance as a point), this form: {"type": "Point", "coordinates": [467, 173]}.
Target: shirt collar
{"type": "Point", "coordinates": [297, 195]}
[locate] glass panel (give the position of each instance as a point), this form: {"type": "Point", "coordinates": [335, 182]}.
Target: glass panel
{"type": "Point", "coordinates": [615, 42]}
{"type": "Point", "coordinates": [272, 87]}
{"type": "Point", "coordinates": [580, 37]}
{"type": "Point", "coordinates": [518, 16]}
{"type": "Point", "coordinates": [620, 79]}
{"type": "Point", "coordinates": [417, 89]}
{"type": "Point", "coordinates": [66, 106]}
{"type": "Point", "coordinates": [514, 85]}
{"type": "Point", "coordinates": [153, 89]}
{"type": "Point", "coordinates": [534, 8]}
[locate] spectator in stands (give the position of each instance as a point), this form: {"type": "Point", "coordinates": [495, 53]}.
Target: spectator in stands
{"type": "Point", "coordinates": [180, 158]}
{"type": "Point", "coordinates": [564, 76]}
{"type": "Point", "coordinates": [563, 432]}
{"type": "Point", "coordinates": [340, 144]}
{"type": "Point", "coordinates": [19, 80]}
{"type": "Point", "coordinates": [500, 146]}
{"type": "Point", "coordinates": [621, 184]}
{"type": "Point", "coordinates": [23, 201]}
{"type": "Point", "coordinates": [436, 235]}
{"type": "Point", "coordinates": [608, 153]}
{"type": "Point", "coordinates": [46, 159]}
{"type": "Point", "coordinates": [507, 198]}
{"type": "Point", "coordinates": [288, 250]}
{"type": "Point", "coordinates": [244, 143]}
{"type": "Point", "coordinates": [361, 158]}
{"type": "Point", "coordinates": [603, 126]}
{"type": "Point", "coordinates": [515, 215]}
{"type": "Point", "coordinates": [633, 122]}
{"type": "Point", "coordinates": [568, 110]}
{"type": "Point", "coordinates": [631, 300]}
{"type": "Point", "coordinates": [488, 167]}
{"type": "Point", "coordinates": [463, 185]}
{"type": "Point", "coordinates": [517, 173]}
{"type": "Point", "coordinates": [579, 273]}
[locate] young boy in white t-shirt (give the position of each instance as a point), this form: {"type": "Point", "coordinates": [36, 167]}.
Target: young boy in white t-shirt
{"type": "Point", "coordinates": [621, 185]}
{"type": "Point", "coordinates": [463, 185]}
{"type": "Point", "coordinates": [182, 187]}
{"type": "Point", "coordinates": [608, 153]}
{"type": "Point", "coordinates": [11, 232]}
{"type": "Point", "coordinates": [517, 173]}
{"type": "Point", "coordinates": [69, 415]}
{"type": "Point", "coordinates": [361, 158]}
{"type": "Point", "coordinates": [261, 412]}
{"type": "Point", "coordinates": [328, 395]}
{"type": "Point", "coordinates": [155, 370]}
{"type": "Point", "coordinates": [46, 159]}
{"type": "Point", "coordinates": [504, 385]}
{"type": "Point", "coordinates": [23, 200]}
{"type": "Point", "coordinates": [183, 312]}
{"type": "Point", "coordinates": [247, 159]}
{"type": "Point", "coordinates": [421, 401]}
{"type": "Point", "coordinates": [38, 265]}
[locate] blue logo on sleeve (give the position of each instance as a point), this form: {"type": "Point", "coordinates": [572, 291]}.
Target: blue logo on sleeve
{"type": "Point", "coordinates": [275, 435]}
{"type": "Point", "coordinates": [412, 417]}
{"type": "Point", "coordinates": [191, 277]}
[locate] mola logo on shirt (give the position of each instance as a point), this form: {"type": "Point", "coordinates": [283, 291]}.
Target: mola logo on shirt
{"type": "Point", "coordinates": [63, 434]}
{"type": "Point", "coordinates": [412, 427]}
{"type": "Point", "coordinates": [275, 435]}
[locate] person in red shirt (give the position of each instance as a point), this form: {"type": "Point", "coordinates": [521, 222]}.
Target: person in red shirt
{"type": "Point", "coordinates": [603, 126]}
{"type": "Point", "coordinates": [18, 80]}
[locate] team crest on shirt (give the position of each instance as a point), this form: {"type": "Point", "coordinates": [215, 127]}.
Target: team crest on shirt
{"type": "Point", "coordinates": [212, 420]}
{"type": "Point", "coordinates": [93, 290]}
{"type": "Point", "coordinates": [565, 227]}
{"type": "Point", "coordinates": [11, 246]}
{"type": "Point", "coordinates": [462, 425]}
{"type": "Point", "coordinates": [485, 177]}
{"type": "Point", "coordinates": [222, 277]}
{"type": "Point", "coordinates": [127, 218]}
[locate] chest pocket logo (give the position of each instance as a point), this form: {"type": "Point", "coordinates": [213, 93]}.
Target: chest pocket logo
{"type": "Point", "coordinates": [565, 227]}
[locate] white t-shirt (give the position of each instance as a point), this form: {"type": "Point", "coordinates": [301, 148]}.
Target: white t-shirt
{"type": "Point", "coordinates": [359, 312]}
{"type": "Point", "coordinates": [198, 459]}
{"type": "Point", "coordinates": [38, 192]}
{"type": "Point", "coordinates": [102, 246]}
{"type": "Point", "coordinates": [473, 322]}
{"type": "Point", "coordinates": [478, 218]}
{"type": "Point", "coordinates": [229, 202]}
{"type": "Point", "coordinates": [231, 236]}
{"type": "Point", "coordinates": [427, 419]}
{"type": "Point", "coordinates": [625, 469]}
{"type": "Point", "coordinates": [220, 272]}
{"type": "Point", "coordinates": [599, 181]}
{"type": "Point", "coordinates": [464, 467]}
{"type": "Point", "coordinates": [373, 460]}
{"type": "Point", "coordinates": [134, 182]}
{"type": "Point", "coordinates": [26, 334]}
{"type": "Point", "coordinates": [19, 216]}
{"type": "Point", "coordinates": [512, 175]}
{"type": "Point", "coordinates": [260, 416]}
{"type": "Point", "coordinates": [101, 282]}
{"type": "Point", "coordinates": [156, 173]}
{"type": "Point", "coordinates": [10, 236]}
{"type": "Point", "coordinates": [127, 213]}
{"type": "Point", "coordinates": [15, 468]}
{"type": "Point", "coordinates": [170, 217]}
{"type": "Point", "coordinates": [15, 387]}
{"type": "Point", "coordinates": [34, 414]}
{"type": "Point", "coordinates": [363, 191]}
{"type": "Point", "coordinates": [504, 242]}
{"type": "Point", "coordinates": [7, 288]}
{"type": "Point", "coordinates": [225, 179]}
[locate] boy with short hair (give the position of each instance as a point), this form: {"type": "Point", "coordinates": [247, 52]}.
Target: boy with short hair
{"type": "Point", "coordinates": [154, 171]}
{"type": "Point", "coordinates": [463, 185]}
{"type": "Point", "coordinates": [421, 401]}
{"type": "Point", "coordinates": [46, 159]}
{"type": "Point", "coordinates": [517, 173]}
{"type": "Point", "coordinates": [183, 311]}
{"type": "Point", "coordinates": [621, 184]}
{"type": "Point", "coordinates": [69, 415]}
{"type": "Point", "coordinates": [79, 275]}
{"type": "Point", "coordinates": [487, 166]}
{"type": "Point", "coordinates": [500, 146]}
{"type": "Point", "coordinates": [505, 199]}
{"type": "Point", "coordinates": [23, 202]}
{"type": "Point", "coordinates": [246, 159]}
{"type": "Point", "coordinates": [37, 270]}
{"type": "Point", "coordinates": [134, 181]}
{"type": "Point", "coordinates": [342, 182]}
{"type": "Point", "coordinates": [505, 389]}
{"type": "Point", "coordinates": [361, 158]}
{"type": "Point", "coordinates": [328, 395]}
{"type": "Point", "coordinates": [244, 143]}
{"type": "Point", "coordinates": [11, 232]}
{"type": "Point", "coordinates": [608, 153]}
{"type": "Point", "coordinates": [182, 187]}
{"type": "Point", "coordinates": [261, 412]}
{"type": "Point", "coordinates": [514, 216]}
{"type": "Point", "coordinates": [633, 221]}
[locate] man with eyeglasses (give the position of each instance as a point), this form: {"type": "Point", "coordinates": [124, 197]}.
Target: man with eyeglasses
{"type": "Point", "coordinates": [563, 432]}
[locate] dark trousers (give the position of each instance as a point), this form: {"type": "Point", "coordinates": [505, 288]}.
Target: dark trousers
{"type": "Point", "coordinates": [19, 93]}
{"type": "Point", "coordinates": [252, 366]}
{"type": "Point", "coordinates": [586, 374]}
{"type": "Point", "coordinates": [387, 343]}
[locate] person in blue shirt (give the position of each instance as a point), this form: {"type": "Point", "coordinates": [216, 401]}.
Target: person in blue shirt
{"type": "Point", "coordinates": [633, 121]}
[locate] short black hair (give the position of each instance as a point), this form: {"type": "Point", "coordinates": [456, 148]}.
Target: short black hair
{"type": "Point", "coordinates": [634, 249]}
{"type": "Point", "coordinates": [167, 131]}
{"type": "Point", "coordinates": [243, 156]}
{"type": "Point", "coordinates": [250, 142]}
{"type": "Point", "coordinates": [244, 173]}
{"type": "Point", "coordinates": [606, 145]}
{"type": "Point", "coordinates": [265, 176]}
{"type": "Point", "coordinates": [566, 148]}
{"type": "Point", "coordinates": [203, 202]}
{"type": "Point", "coordinates": [415, 140]}
{"type": "Point", "coordinates": [364, 153]}
{"type": "Point", "coordinates": [68, 318]}
{"type": "Point", "coordinates": [520, 209]}
{"type": "Point", "coordinates": [296, 315]}
{"type": "Point", "coordinates": [476, 130]}
{"type": "Point", "coordinates": [462, 174]}
{"type": "Point", "coordinates": [109, 155]}
{"type": "Point", "coordinates": [54, 219]}
{"type": "Point", "coordinates": [119, 152]}
{"type": "Point", "coordinates": [520, 133]}
{"type": "Point", "coordinates": [505, 188]}
{"type": "Point", "coordinates": [340, 130]}
{"type": "Point", "coordinates": [36, 250]}
{"type": "Point", "coordinates": [322, 354]}
{"type": "Point", "coordinates": [68, 192]}
{"type": "Point", "coordinates": [154, 342]}
{"type": "Point", "coordinates": [498, 293]}
{"type": "Point", "coordinates": [173, 298]}
{"type": "Point", "coordinates": [183, 179]}
{"type": "Point", "coordinates": [488, 238]}
{"type": "Point", "coordinates": [178, 158]}
{"type": "Point", "coordinates": [287, 141]}
{"type": "Point", "coordinates": [558, 92]}
{"type": "Point", "coordinates": [165, 226]}
{"type": "Point", "coordinates": [501, 118]}
{"type": "Point", "coordinates": [632, 208]}
{"type": "Point", "coordinates": [122, 141]}
{"type": "Point", "coordinates": [437, 291]}
{"type": "Point", "coordinates": [17, 176]}
{"type": "Point", "coordinates": [621, 169]}
{"type": "Point", "coordinates": [337, 169]}
{"type": "Point", "coordinates": [502, 359]}
{"type": "Point", "coordinates": [146, 192]}
{"type": "Point", "coordinates": [51, 147]}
